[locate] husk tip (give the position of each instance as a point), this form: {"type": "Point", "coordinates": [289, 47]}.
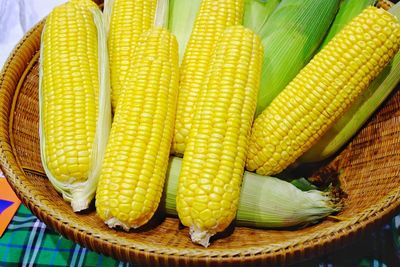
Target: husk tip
{"type": "Point", "coordinates": [335, 198]}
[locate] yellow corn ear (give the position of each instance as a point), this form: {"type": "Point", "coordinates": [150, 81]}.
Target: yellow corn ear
{"type": "Point", "coordinates": [213, 163]}
{"type": "Point", "coordinates": [74, 111]}
{"type": "Point", "coordinates": [213, 18]}
{"type": "Point", "coordinates": [322, 91]}
{"type": "Point", "coordinates": [134, 169]}
{"type": "Point", "coordinates": [128, 19]}
{"type": "Point", "coordinates": [70, 90]}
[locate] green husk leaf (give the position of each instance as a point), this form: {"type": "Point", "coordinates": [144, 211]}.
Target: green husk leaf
{"type": "Point", "coordinates": [347, 11]}
{"type": "Point", "coordinates": [266, 202]}
{"type": "Point", "coordinates": [182, 14]}
{"type": "Point", "coordinates": [257, 12]}
{"type": "Point", "coordinates": [80, 194]}
{"type": "Point", "coordinates": [303, 184]}
{"type": "Point", "coordinates": [290, 38]}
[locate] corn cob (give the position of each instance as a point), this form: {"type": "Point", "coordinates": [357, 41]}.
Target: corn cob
{"type": "Point", "coordinates": [125, 21]}
{"type": "Point", "coordinates": [75, 115]}
{"type": "Point", "coordinates": [211, 21]}
{"type": "Point", "coordinates": [322, 91]}
{"type": "Point", "coordinates": [359, 112]}
{"type": "Point", "coordinates": [213, 164]}
{"type": "Point", "coordinates": [136, 159]}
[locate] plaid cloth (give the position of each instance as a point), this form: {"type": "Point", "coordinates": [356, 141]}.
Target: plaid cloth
{"type": "Point", "coordinates": [28, 242]}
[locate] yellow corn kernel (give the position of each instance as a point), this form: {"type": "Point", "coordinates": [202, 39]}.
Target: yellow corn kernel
{"type": "Point", "coordinates": [213, 163]}
{"type": "Point", "coordinates": [69, 90]}
{"type": "Point", "coordinates": [213, 18]}
{"type": "Point", "coordinates": [133, 172]}
{"type": "Point", "coordinates": [128, 20]}
{"type": "Point", "coordinates": [322, 91]}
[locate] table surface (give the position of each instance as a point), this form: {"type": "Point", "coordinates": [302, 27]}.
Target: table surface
{"type": "Point", "coordinates": [29, 242]}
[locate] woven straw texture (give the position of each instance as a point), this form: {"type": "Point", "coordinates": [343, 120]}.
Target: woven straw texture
{"type": "Point", "coordinates": [370, 167]}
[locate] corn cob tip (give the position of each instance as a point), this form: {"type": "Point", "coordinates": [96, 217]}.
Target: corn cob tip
{"type": "Point", "coordinates": [199, 236]}
{"type": "Point", "coordinates": [114, 223]}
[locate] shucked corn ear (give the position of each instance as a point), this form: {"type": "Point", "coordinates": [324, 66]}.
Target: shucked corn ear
{"type": "Point", "coordinates": [136, 159]}
{"type": "Point", "coordinates": [322, 91]}
{"type": "Point", "coordinates": [265, 201]}
{"type": "Point", "coordinates": [291, 37]}
{"type": "Point", "coordinates": [213, 163]}
{"type": "Point", "coordinates": [213, 17]}
{"type": "Point", "coordinates": [125, 21]}
{"type": "Point", "coordinates": [75, 114]}
{"type": "Point", "coordinates": [359, 112]}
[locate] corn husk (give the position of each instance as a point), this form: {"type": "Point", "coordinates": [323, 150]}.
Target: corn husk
{"type": "Point", "coordinates": [266, 202]}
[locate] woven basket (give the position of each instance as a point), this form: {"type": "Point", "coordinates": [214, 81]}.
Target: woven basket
{"type": "Point", "coordinates": [370, 167]}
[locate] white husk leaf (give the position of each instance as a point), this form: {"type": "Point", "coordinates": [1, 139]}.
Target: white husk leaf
{"type": "Point", "coordinates": [271, 202]}
{"type": "Point", "coordinates": [107, 12]}
{"type": "Point", "coordinates": [161, 17]}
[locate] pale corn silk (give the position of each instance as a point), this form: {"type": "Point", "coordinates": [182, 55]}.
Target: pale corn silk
{"type": "Point", "coordinates": [17, 17]}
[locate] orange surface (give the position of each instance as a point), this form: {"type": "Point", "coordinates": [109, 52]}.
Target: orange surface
{"type": "Point", "coordinates": [6, 193]}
